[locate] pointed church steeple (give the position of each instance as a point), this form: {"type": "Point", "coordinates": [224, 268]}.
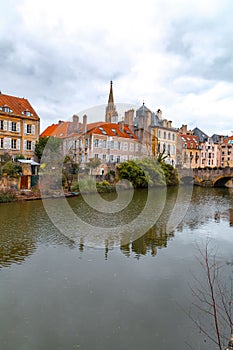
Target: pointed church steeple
{"type": "Point", "coordinates": [111, 115]}
{"type": "Point", "coordinates": [110, 99]}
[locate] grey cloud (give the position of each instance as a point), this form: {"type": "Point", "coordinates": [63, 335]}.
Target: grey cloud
{"type": "Point", "coordinates": [214, 41]}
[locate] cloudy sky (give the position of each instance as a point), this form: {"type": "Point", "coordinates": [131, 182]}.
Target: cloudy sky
{"type": "Point", "coordinates": [176, 55]}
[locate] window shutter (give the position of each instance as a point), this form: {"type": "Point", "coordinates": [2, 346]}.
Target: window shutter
{"type": "Point", "coordinates": [18, 144]}
{"type": "Point", "coordinates": [5, 143]}
{"type": "Point", "coordinates": [25, 128]}
{"type": "Point", "coordinates": [10, 126]}
{"type": "Point", "coordinates": [18, 127]}
{"type": "Point", "coordinates": [33, 129]}
{"type": "Point", "coordinates": [5, 125]}
{"type": "Point", "coordinates": [33, 145]}
{"type": "Point", "coordinates": [24, 143]}
{"type": "Point", "coordinates": [9, 143]}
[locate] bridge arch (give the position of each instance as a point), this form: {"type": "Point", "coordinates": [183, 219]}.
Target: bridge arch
{"type": "Point", "coordinates": [221, 181]}
{"type": "Point", "coordinates": [187, 180]}
{"type": "Point", "coordinates": [197, 180]}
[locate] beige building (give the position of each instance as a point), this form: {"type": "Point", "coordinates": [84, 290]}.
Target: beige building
{"type": "Point", "coordinates": [19, 127]}
{"type": "Point", "coordinates": [155, 132]}
{"type": "Point", "coordinates": [109, 142]}
{"type": "Point", "coordinates": [226, 152]}
{"type": "Point", "coordinates": [188, 149]}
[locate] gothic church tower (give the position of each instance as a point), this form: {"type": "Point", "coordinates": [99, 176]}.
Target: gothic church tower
{"type": "Point", "coordinates": [111, 115]}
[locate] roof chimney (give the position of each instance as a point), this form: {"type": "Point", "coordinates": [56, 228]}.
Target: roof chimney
{"type": "Point", "coordinates": [75, 122]}
{"type": "Point", "coordinates": [84, 123]}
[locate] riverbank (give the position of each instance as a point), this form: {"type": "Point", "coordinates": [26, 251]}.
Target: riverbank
{"type": "Point", "coordinates": [27, 195]}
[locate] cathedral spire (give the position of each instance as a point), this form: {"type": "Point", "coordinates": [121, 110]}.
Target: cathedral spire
{"type": "Point", "coordinates": [111, 115]}
{"type": "Point", "coordinates": [110, 99]}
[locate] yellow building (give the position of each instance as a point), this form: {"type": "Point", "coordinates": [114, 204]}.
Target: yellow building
{"type": "Point", "coordinates": [19, 127]}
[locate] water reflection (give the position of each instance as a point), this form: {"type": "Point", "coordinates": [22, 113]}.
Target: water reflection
{"type": "Point", "coordinates": [156, 238]}
{"type": "Point", "coordinates": [25, 226]}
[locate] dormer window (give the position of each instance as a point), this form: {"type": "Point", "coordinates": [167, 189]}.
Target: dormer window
{"type": "Point", "coordinates": [27, 113]}
{"type": "Point", "coordinates": [6, 109]}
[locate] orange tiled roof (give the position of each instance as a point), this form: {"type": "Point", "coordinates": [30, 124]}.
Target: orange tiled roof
{"type": "Point", "coordinates": [61, 130]}
{"type": "Point", "coordinates": [18, 105]}
{"type": "Point", "coordinates": [108, 129]}
{"type": "Point", "coordinates": [229, 139]}
{"type": "Point", "coordinates": [56, 130]}
{"type": "Point", "coordinates": [191, 141]}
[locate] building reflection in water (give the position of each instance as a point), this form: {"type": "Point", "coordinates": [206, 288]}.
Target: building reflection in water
{"type": "Point", "coordinates": [16, 239]}
{"type": "Point", "coordinates": [30, 227]}
{"type": "Point", "coordinates": [231, 217]}
{"type": "Point", "coordinates": [155, 238]}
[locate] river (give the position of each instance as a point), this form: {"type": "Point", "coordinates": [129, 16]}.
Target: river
{"type": "Point", "coordinates": [62, 293]}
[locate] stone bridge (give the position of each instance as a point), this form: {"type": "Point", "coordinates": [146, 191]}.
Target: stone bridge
{"type": "Point", "coordinates": [206, 177]}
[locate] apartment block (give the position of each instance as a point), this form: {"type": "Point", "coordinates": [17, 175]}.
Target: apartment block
{"type": "Point", "coordinates": [19, 127]}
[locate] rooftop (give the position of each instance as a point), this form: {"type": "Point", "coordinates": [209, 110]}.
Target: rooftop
{"type": "Point", "coordinates": [16, 105]}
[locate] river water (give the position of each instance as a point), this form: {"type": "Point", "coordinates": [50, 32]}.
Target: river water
{"type": "Point", "coordinates": [58, 293]}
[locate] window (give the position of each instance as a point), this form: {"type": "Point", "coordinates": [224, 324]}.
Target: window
{"type": "Point", "coordinates": [96, 156]}
{"type": "Point", "coordinates": [6, 109]}
{"type": "Point", "coordinates": [104, 157]}
{"type": "Point", "coordinates": [13, 126]}
{"type": "Point", "coordinates": [96, 143]}
{"type": "Point", "coordinates": [29, 129]}
{"type": "Point", "coordinates": [27, 113]}
{"type": "Point", "coordinates": [169, 136]}
{"type": "Point", "coordinates": [119, 145]}
{"type": "Point", "coordinates": [159, 134]}
{"type": "Point", "coordinates": [164, 135]}
{"type": "Point", "coordinates": [131, 147]}
{"type": "Point", "coordinates": [1, 125]}
{"type": "Point", "coordinates": [13, 143]}
{"type": "Point", "coordinates": [1, 142]}
{"type": "Point", "coordinates": [125, 146]}
{"type": "Point", "coordinates": [173, 137]}
{"type": "Point", "coordinates": [104, 144]}
{"type": "Point", "coordinates": [29, 145]}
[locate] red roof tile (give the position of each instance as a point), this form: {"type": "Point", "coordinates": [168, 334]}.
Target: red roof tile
{"type": "Point", "coordinates": [110, 129]}
{"type": "Point", "coordinates": [229, 140]}
{"type": "Point", "coordinates": [191, 141]}
{"type": "Point", "coordinates": [56, 130]}
{"type": "Point", "coordinates": [18, 105]}
{"type": "Point", "coordinates": [61, 130]}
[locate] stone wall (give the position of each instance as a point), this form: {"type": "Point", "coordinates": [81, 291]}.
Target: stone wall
{"type": "Point", "coordinates": [7, 183]}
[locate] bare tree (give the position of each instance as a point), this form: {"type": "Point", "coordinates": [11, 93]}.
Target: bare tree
{"type": "Point", "coordinates": [213, 299]}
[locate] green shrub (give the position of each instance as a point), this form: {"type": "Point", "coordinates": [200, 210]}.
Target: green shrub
{"type": "Point", "coordinates": [11, 169]}
{"type": "Point", "coordinates": [143, 173]}
{"type": "Point", "coordinates": [104, 187]}
{"type": "Point", "coordinates": [171, 174]}
{"type": "Point", "coordinates": [7, 196]}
